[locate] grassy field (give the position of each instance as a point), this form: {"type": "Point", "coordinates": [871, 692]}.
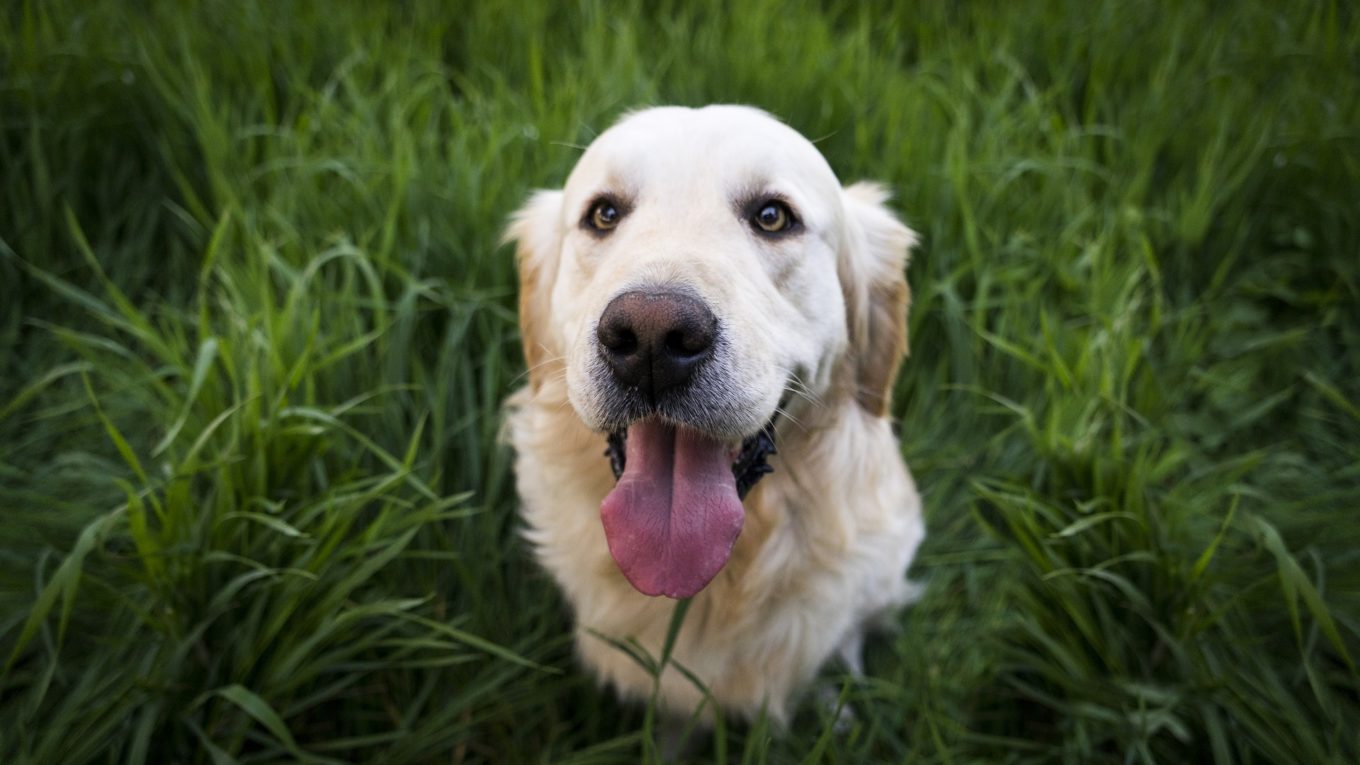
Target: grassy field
{"type": "Point", "coordinates": [255, 326]}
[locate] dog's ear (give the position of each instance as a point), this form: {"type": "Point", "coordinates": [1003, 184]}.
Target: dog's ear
{"type": "Point", "coordinates": [536, 231]}
{"type": "Point", "coordinates": [872, 269]}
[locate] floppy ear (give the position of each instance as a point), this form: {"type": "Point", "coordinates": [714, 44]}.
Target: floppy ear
{"type": "Point", "coordinates": [872, 269]}
{"type": "Point", "coordinates": [536, 231]}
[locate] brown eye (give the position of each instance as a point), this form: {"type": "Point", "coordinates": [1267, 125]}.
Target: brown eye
{"type": "Point", "coordinates": [773, 217]}
{"type": "Point", "coordinates": [604, 215]}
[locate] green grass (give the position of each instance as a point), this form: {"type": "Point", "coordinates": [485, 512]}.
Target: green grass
{"type": "Point", "coordinates": [255, 327]}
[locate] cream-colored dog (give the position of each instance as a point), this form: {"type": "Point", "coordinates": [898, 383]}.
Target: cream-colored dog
{"type": "Point", "coordinates": [702, 288]}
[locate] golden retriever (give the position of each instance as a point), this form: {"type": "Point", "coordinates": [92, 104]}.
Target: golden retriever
{"type": "Point", "coordinates": [702, 289]}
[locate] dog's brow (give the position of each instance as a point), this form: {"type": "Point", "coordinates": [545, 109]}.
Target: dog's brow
{"type": "Point", "coordinates": [607, 193]}
{"type": "Point", "coordinates": [616, 185]}
{"type": "Point", "coordinates": [754, 194]}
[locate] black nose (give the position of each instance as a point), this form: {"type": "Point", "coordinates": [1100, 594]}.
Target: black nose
{"type": "Point", "coordinates": [655, 340]}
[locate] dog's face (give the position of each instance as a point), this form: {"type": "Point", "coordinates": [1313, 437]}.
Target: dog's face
{"type": "Point", "coordinates": [726, 214]}
{"type": "Point", "coordinates": [698, 268]}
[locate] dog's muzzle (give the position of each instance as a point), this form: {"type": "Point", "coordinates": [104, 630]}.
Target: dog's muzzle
{"type": "Point", "coordinates": [676, 509]}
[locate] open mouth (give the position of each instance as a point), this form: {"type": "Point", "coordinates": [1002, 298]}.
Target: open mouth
{"type": "Point", "coordinates": [675, 513]}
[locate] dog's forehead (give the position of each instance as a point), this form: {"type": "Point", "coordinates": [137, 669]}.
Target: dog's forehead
{"type": "Point", "coordinates": [676, 148]}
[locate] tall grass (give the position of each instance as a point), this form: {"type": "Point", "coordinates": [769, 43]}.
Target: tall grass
{"type": "Point", "coordinates": [256, 329]}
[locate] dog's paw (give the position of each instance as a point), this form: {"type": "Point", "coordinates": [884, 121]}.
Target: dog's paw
{"type": "Point", "coordinates": [678, 740]}
{"type": "Point", "coordinates": [843, 714]}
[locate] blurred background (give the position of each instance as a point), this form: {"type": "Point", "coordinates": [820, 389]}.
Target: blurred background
{"type": "Point", "coordinates": [256, 325]}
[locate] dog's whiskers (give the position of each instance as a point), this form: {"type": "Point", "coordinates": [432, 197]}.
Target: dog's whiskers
{"type": "Point", "coordinates": [782, 412]}
{"type": "Point", "coordinates": [794, 384]}
{"type": "Point", "coordinates": [528, 371]}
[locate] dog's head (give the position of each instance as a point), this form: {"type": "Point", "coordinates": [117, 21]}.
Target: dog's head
{"type": "Point", "coordinates": [699, 267]}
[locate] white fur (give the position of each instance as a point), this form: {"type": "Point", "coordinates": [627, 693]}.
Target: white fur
{"type": "Point", "coordinates": [829, 535]}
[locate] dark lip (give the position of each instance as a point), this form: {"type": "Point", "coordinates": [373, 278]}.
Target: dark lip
{"type": "Point", "coordinates": [748, 468]}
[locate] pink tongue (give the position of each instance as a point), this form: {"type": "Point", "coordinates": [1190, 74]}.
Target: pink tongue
{"type": "Point", "coordinates": [673, 517]}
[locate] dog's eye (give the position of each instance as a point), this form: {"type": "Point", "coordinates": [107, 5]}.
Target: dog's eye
{"type": "Point", "coordinates": [604, 215]}
{"type": "Point", "coordinates": [773, 217]}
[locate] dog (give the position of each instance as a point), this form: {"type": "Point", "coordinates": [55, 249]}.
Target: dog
{"type": "Point", "coordinates": [712, 326]}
